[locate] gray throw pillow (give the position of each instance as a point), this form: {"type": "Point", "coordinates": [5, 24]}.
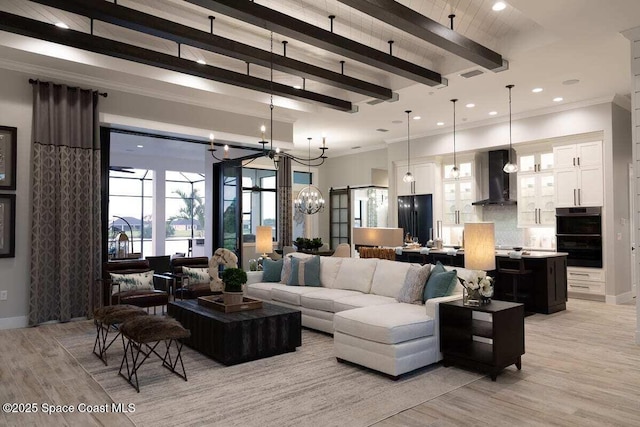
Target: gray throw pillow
{"type": "Point", "coordinates": [412, 290]}
{"type": "Point", "coordinates": [271, 270]}
{"type": "Point", "coordinates": [305, 272]}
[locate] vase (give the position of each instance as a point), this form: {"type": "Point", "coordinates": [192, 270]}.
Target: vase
{"type": "Point", "coordinates": [232, 298]}
{"type": "Point", "coordinates": [471, 297]}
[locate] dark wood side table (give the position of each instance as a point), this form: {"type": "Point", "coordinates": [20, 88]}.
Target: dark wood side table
{"type": "Point", "coordinates": [487, 338]}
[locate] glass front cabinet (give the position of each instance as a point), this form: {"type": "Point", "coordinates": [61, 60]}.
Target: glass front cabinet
{"type": "Point", "coordinates": [458, 194]}
{"type": "Point", "coordinates": [536, 189]}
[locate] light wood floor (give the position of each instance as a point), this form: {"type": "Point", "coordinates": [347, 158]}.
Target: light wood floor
{"type": "Point", "coordinates": [581, 368]}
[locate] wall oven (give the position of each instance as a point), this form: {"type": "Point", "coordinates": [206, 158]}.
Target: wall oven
{"type": "Point", "coordinates": [579, 233]}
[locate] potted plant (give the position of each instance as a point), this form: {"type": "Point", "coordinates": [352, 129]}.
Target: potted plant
{"type": "Point", "coordinates": [316, 243]}
{"type": "Point", "coordinates": [233, 279]}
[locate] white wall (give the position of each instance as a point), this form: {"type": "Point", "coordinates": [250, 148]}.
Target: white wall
{"type": "Point", "coordinates": [15, 110]}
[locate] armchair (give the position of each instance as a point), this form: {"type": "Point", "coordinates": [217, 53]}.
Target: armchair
{"type": "Point", "coordinates": [190, 290]}
{"type": "Point", "coordinates": [112, 293]}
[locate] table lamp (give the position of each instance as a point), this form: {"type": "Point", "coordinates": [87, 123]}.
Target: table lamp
{"type": "Point", "coordinates": [264, 241]}
{"type": "Point", "coordinates": [479, 246]}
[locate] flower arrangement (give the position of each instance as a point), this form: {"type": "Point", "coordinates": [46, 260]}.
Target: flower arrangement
{"type": "Point", "coordinates": [481, 286]}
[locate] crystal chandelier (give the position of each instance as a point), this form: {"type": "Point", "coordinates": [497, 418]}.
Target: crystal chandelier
{"type": "Point", "coordinates": [310, 200]}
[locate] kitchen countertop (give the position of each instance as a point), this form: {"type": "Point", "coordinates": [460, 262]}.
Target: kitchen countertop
{"type": "Point", "coordinates": [499, 253]}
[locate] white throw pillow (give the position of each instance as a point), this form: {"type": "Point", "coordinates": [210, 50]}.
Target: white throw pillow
{"type": "Point", "coordinates": [329, 267]}
{"type": "Point", "coordinates": [131, 281]}
{"type": "Point", "coordinates": [196, 275]}
{"type": "Point", "coordinates": [356, 274]}
{"type": "Point", "coordinates": [412, 291]}
{"type": "Point", "coordinates": [389, 277]}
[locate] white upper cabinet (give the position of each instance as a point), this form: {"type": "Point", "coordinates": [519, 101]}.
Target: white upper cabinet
{"type": "Point", "coordinates": [424, 182]}
{"type": "Point", "coordinates": [534, 162]}
{"type": "Point", "coordinates": [579, 175]}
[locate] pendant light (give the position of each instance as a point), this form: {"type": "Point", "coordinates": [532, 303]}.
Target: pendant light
{"type": "Point", "coordinates": [510, 167]}
{"type": "Point", "coordinates": [455, 172]}
{"type": "Point", "coordinates": [408, 177]}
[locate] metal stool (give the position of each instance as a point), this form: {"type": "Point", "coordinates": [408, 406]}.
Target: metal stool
{"type": "Point", "coordinates": [143, 336]}
{"type": "Point", "coordinates": [107, 319]}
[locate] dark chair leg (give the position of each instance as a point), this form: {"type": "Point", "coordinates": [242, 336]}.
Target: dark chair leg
{"type": "Point", "coordinates": [102, 333]}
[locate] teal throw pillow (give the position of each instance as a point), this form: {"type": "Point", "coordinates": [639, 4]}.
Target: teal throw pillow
{"type": "Point", "coordinates": [271, 270]}
{"type": "Point", "coordinates": [305, 272]}
{"type": "Point", "coordinates": [440, 284]}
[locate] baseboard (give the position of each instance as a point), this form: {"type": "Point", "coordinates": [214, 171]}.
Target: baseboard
{"type": "Point", "coordinates": [620, 299]}
{"type": "Point", "coordinates": [14, 322]}
{"type": "Point", "coordinates": [592, 297]}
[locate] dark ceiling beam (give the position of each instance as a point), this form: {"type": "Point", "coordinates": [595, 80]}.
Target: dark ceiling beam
{"type": "Point", "coordinates": [280, 23]}
{"type": "Point", "coordinates": [49, 32]}
{"type": "Point", "coordinates": [407, 19]}
{"type": "Point", "coordinates": [134, 20]}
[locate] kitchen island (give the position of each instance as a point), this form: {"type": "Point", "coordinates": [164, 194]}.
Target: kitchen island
{"type": "Point", "coordinates": [538, 279]}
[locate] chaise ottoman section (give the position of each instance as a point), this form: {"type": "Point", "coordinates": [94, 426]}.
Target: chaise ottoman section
{"type": "Point", "coordinates": [387, 324]}
{"type": "Point", "coordinates": [393, 338]}
{"type": "Point", "coordinates": [361, 300]}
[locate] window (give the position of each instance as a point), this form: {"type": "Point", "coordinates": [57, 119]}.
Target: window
{"type": "Point", "coordinates": [303, 178]}
{"type": "Point", "coordinates": [130, 210]}
{"type": "Point", "coordinates": [258, 201]}
{"type": "Point", "coordinates": [184, 210]}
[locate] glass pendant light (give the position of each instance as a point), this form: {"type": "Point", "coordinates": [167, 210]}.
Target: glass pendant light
{"type": "Point", "coordinates": [408, 177]}
{"type": "Point", "coordinates": [455, 172]}
{"type": "Point", "coordinates": [510, 167]}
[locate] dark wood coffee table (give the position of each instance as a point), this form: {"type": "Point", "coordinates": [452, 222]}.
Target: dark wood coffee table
{"type": "Point", "coordinates": [232, 338]}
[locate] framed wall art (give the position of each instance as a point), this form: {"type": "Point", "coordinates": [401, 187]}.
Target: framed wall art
{"type": "Point", "coordinates": [8, 148]}
{"type": "Point", "coordinates": [7, 225]}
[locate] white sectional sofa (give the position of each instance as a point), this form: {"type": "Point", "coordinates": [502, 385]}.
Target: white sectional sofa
{"type": "Point", "coordinates": [357, 304]}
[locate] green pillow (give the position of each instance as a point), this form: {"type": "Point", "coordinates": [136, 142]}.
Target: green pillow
{"type": "Point", "coordinates": [271, 270]}
{"type": "Point", "coordinates": [305, 271]}
{"type": "Point", "coordinates": [440, 284]}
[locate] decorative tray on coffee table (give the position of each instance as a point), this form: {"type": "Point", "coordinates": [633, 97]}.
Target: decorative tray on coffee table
{"type": "Point", "coordinates": [216, 302]}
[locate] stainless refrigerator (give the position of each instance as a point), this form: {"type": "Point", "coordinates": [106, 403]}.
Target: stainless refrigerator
{"type": "Point", "coordinates": [415, 216]}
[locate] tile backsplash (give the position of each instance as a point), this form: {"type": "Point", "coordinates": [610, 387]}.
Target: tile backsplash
{"type": "Point", "coordinates": [508, 234]}
{"type": "Point", "coordinates": [506, 225]}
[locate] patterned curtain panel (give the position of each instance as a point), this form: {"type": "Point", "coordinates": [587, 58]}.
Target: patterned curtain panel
{"type": "Point", "coordinates": [65, 231]}
{"type": "Point", "coordinates": [285, 203]}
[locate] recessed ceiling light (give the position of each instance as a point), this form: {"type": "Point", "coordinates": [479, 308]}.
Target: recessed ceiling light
{"type": "Point", "coordinates": [440, 123]}
{"type": "Point", "coordinates": [297, 87]}
{"type": "Point", "coordinates": [558, 99]}
{"type": "Point", "coordinates": [470, 105]}
{"type": "Point", "coordinates": [570, 82]}
{"type": "Point", "coordinates": [62, 25]}
{"type": "Point", "coordinates": [498, 6]}
{"type": "Point", "coordinates": [417, 118]}
{"type": "Point", "coordinates": [140, 146]}
{"type": "Point", "coordinates": [201, 61]}
{"type": "Point", "coordinates": [537, 90]}
{"type": "Point", "coordinates": [493, 113]}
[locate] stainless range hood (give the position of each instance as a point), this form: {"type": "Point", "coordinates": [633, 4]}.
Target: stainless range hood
{"type": "Point", "coordinates": [498, 180]}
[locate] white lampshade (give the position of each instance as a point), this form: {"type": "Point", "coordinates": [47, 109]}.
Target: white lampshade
{"type": "Point", "coordinates": [479, 246]}
{"type": "Point", "coordinates": [264, 241]}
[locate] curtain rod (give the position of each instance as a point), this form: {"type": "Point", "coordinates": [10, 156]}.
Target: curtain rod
{"type": "Point", "coordinates": [34, 81]}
